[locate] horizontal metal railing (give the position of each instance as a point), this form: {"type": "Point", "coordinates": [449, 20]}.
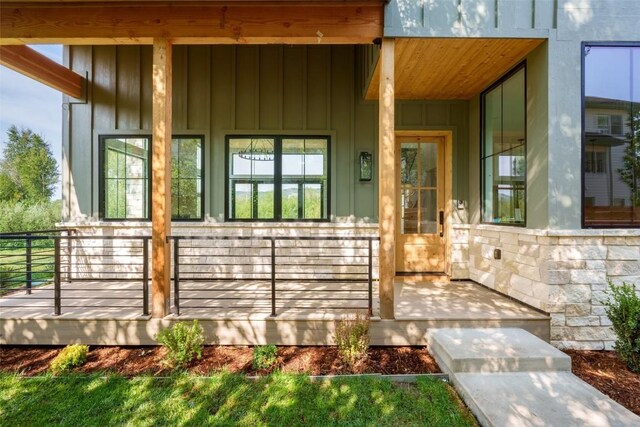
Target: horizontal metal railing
{"type": "Point", "coordinates": [87, 274]}
{"type": "Point", "coordinates": [27, 259]}
{"type": "Point", "coordinates": [292, 267]}
{"type": "Point", "coordinates": [78, 274]}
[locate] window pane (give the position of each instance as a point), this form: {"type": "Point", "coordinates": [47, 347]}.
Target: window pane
{"type": "Point", "coordinates": [429, 159]}
{"type": "Point", "coordinates": [186, 173]}
{"type": "Point", "coordinates": [504, 152]}
{"type": "Point", "coordinates": [409, 214]}
{"type": "Point", "coordinates": [313, 201]}
{"type": "Point", "coordinates": [242, 206]}
{"type": "Point", "coordinates": [305, 169]}
{"type": "Point", "coordinates": [492, 124]}
{"type": "Point", "coordinates": [409, 163]}
{"type": "Point", "coordinates": [612, 136]}
{"type": "Point", "coordinates": [265, 201]}
{"type": "Point", "coordinates": [126, 185]}
{"type": "Point", "coordinates": [428, 211]}
{"type": "Point", "coordinates": [251, 178]}
{"type": "Point", "coordinates": [290, 201]}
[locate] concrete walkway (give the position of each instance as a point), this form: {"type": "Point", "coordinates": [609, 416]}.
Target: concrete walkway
{"type": "Point", "coordinates": [508, 377]}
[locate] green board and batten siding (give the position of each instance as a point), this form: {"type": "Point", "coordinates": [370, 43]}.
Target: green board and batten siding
{"type": "Point", "coordinates": [221, 90]}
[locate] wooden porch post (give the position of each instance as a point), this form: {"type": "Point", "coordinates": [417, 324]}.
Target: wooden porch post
{"type": "Point", "coordinates": [387, 179]}
{"type": "Point", "coordinates": [161, 178]}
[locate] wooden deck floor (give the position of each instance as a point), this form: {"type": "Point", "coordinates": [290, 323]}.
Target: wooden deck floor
{"type": "Point", "coordinates": [240, 313]}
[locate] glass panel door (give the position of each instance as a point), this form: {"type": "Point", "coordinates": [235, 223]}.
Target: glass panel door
{"type": "Point", "coordinates": [418, 188]}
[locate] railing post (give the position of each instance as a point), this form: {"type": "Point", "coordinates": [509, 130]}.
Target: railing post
{"type": "Point", "coordinates": [176, 274]}
{"type": "Point", "coordinates": [145, 276]}
{"type": "Point", "coordinates": [28, 266]}
{"type": "Point", "coordinates": [370, 278]}
{"type": "Point", "coordinates": [56, 277]}
{"type": "Point", "coordinates": [273, 276]}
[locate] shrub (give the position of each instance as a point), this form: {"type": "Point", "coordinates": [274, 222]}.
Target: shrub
{"type": "Point", "coordinates": [183, 341]}
{"type": "Point", "coordinates": [70, 357]}
{"type": "Point", "coordinates": [21, 216]}
{"type": "Point", "coordinates": [264, 356]}
{"type": "Point", "coordinates": [623, 309]}
{"type": "Point", "coordinates": [352, 338]}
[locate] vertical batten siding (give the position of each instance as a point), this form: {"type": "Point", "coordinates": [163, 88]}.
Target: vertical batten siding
{"type": "Point", "coordinates": [469, 18]}
{"type": "Point", "coordinates": [220, 90]}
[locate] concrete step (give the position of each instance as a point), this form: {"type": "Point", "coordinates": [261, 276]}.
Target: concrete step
{"type": "Point", "coordinates": [539, 399]}
{"type": "Point", "coordinates": [494, 350]}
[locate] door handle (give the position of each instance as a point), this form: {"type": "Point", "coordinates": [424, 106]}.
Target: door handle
{"type": "Point", "coordinates": [441, 223]}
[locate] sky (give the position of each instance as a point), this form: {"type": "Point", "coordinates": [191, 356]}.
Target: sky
{"type": "Point", "coordinates": [27, 103]}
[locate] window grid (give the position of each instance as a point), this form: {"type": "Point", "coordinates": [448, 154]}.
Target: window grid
{"type": "Point", "coordinates": [300, 187]}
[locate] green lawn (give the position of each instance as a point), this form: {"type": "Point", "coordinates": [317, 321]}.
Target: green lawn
{"type": "Point", "coordinates": [226, 399]}
{"type": "Point", "coordinates": [13, 262]}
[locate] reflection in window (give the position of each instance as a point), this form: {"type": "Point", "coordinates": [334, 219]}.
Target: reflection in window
{"type": "Point", "coordinates": [186, 178]}
{"type": "Point", "coordinates": [126, 178]}
{"type": "Point", "coordinates": [611, 155]}
{"type": "Point", "coordinates": [275, 178]}
{"type": "Point", "coordinates": [503, 162]}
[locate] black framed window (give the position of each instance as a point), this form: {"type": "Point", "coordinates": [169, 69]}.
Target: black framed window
{"type": "Point", "coordinates": [186, 178]}
{"type": "Point", "coordinates": [611, 135]}
{"type": "Point", "coordinates": [277, 178]}
{"type": "Point", "coordinates": [125, 171]}
{"type": "Point", "coordinates": [125, 178]}
{"type": "Point", "coordinates": [504, 146]}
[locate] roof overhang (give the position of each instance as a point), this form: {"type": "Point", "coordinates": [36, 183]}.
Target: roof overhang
{"type": "Point", "coordinates": [451, 68]}
{"type": "Point", "coordinates": [191, 22]}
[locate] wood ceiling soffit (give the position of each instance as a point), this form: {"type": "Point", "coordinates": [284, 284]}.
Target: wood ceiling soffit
{"type": "Point", "coordinates": [451, 68]}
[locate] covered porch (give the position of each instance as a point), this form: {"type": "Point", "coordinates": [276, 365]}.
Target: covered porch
{"type": "Point", "coordinates": [399, 73]}
{"type": "Point", "coordinates": [112, 314]}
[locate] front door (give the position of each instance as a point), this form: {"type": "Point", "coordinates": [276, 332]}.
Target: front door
{"type": "Point", "coordinates": [420, 210]}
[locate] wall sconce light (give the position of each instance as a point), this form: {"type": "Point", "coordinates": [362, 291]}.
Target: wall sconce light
{"type": "Point", "coordinates": [366, 166]}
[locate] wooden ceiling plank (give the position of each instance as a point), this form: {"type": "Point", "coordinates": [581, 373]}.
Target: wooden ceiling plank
{"type": "Point", "coordinates": [33, 64]}
{"type": "Point", "coordinates": [433, 68]}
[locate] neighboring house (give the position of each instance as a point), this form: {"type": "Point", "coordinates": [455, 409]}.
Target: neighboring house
{"type": "Point", "coordinates": [480, 139]}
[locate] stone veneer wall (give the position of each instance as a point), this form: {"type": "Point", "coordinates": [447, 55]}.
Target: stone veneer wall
{"type": "Point", "coordinates": [562, 272]}
{"type": "Point", "coordinates": [93, 258]}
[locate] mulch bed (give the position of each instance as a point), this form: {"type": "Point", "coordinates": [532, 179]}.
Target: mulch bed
{"type": "Point", "coordinates": [132, 361]}
{"type": "Point", "coordinates": [604, 371]}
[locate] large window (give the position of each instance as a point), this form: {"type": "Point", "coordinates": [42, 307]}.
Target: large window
{"type": "Point", "coordinates": [125, 178]}
{"type": "Point", "coordinates": [503, 160]}
{"type": "Point", "coordinates": [186, 178]}
{"type": "Point", "coordinates": [125, 181]}
{"type": "Point", "coordinates": [277, 178]}
{"type": "Point", "coordinates": [611, 136]}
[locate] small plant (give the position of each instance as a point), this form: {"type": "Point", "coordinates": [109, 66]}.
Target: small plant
{"type": "Point", "coordinates": [70, 357]}
{"type": "Point", "coordinates": [623, 309]}
{"type": "Point", "coordinates": [5, 276]}
{"type": "Point", "coordinates": [183, 341]}
{"type": "Point", "coordinates": [352, 338]}
{"type": "Point", "coordinates": [264, 356]}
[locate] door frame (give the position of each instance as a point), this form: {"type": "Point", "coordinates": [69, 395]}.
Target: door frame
{"type": "Point", "coordinates": [448, 177]}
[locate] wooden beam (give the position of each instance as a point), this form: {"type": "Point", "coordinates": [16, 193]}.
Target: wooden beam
{"type": "Point", "coordinates": [387, 179]}
{"type": "Point", "coordinates": [190, 23]}
{"type": "Point", "coordinates": [35, 65]}
{"type": "Point", "coordinates": [161, 178]}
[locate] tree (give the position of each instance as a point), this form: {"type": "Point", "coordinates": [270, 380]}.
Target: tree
{"type": "Point", "coordinates": [28, 171]}
{"type": "Point", "coordinates": [630, 172]}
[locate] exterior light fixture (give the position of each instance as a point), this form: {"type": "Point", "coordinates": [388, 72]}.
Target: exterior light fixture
{"type": "Point", "coordinates": [366, 166]}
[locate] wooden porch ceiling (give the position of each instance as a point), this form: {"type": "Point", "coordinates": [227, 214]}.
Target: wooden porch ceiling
{"type": "Point", "coordinates": [190, 22]}
{"type": "Point", "coordinates": [439, 68]}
